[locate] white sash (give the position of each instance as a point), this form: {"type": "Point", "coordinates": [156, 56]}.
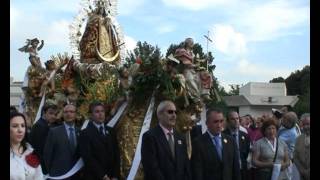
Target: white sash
{"type": "Point", "coordinates": [80, 163]}
{"type": "Point", "coordinates": [40, 108]}
{"type": "Point", "coordinates": [145, 127]}
{"type": "Point", "coordinates": [203, 120]}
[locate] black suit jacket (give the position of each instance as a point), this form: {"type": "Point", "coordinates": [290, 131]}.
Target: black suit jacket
{"type": "Point", "coordinates": [58, 154]}
{"type": "Point", "coordinates": [206, 164]}
{"type": "Point", "coordinates": [100, 154]}
{"type": "Point", "coordinates": [157, 160]}
{"type": "Point", "coordinates": [244, 146]}
{"type": "Point", "coordinates": [38, 137]}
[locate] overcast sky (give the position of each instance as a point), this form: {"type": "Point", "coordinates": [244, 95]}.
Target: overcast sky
{"type": "Point", "coordinates": [253, 41]}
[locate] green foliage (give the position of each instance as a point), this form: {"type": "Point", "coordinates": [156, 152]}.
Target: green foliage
{"type": "Point", "coordinates": [278, 79]}
{"type": "Point", "coordinates": [146, 52]}
{"type": "Point", "coordinates": [172, 49]}
{"type": "Point", "coordinates": [221, 105]}
{"type": "Point", "coordinates": [298, 83]}
{"type": "Point", "coordinates": [151, 74]}
{"type": "Point", "coordinates": [235, 89]}
{"type": "Point", "coordinates": [303, 105]}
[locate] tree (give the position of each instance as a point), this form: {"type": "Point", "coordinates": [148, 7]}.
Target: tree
{"type": "Point", "coordinates": [235, 89]}
{"type": "Point", "coordinates": [150, 71]}
{"type": "Point", "coordinates": [278, 79]}
{"type": "Point", "coordinates": [298, 83]}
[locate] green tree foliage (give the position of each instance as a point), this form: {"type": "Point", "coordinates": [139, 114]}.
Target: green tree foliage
{"type": "Point", "coordinates": [278, 79]}
{"type": "Point", "coordinates": [151, 74]}
{"type": "Point", "coordinates": [235, 89]}
{"type": "Point", "coordinates": [298, 83]}
{"type": "Point", "coordinates": [146, 52]}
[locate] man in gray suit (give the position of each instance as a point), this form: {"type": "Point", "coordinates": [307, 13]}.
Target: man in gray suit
{"type": "Point", "coordinates": [60, 151]}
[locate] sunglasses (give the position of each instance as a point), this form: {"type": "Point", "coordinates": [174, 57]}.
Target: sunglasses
{"type": "Point", "coordinates": [171, 111]}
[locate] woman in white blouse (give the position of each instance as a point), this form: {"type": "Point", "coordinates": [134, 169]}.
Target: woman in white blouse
{"type": "Point", "coordinates": [265, 153]}
{"type": "Point", "coordinates": [24, 165]}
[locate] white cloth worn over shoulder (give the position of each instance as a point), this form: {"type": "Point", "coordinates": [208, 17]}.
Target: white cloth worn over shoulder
{"type": "Point", "coordinates": [241, 128]}
{"type": "Point", "coordinates": [20, 170]}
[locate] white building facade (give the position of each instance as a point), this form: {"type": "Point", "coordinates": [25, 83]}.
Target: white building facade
{"type": "Point", "coordinates": [256, 98]}
{"type": "Point", "coordinates": [15, 93]}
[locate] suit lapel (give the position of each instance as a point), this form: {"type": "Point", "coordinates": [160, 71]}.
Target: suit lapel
{"type": "Point", "coordinates": [242, 140]}
{"type": "Point", "coordinates": [65, 137]}
{"type": "Point", "coordinates": [225, 144]}
{"type": "Point", "coordinates": [211, 147]}
{"type": "Point", "coordinates": [163, 140]}
{"type": "Point", "coordinates": [178, 148]}
{"type": "Point", "coordinates": [94, 130]}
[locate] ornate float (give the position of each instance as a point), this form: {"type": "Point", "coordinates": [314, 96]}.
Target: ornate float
{"type": "Point", "coordinates": [129, 86]}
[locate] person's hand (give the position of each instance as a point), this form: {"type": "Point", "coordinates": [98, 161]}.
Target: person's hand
{"type": "Point", "coordinates": [269, 165]}
{"type": "Point", "coordinates": [106, 177]}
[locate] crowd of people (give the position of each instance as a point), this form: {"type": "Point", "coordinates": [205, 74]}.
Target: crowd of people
{"type": "Point", "coordinates": [232, 148]}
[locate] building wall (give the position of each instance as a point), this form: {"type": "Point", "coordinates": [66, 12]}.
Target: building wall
{"type": "Point", "coordinates": [263, 89]}
{"type": "Point", "coordinates": [245, 90]}
{"type": "Point", "coordinates": [15, 93]}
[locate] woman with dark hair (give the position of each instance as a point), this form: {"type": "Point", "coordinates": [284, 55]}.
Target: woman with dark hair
{"type": "Point", "coordinates": [24, 164]}
{"type": "Point", "coordinates": [269, 151]}
{"type": "Point", "coordinates": [254, 132]}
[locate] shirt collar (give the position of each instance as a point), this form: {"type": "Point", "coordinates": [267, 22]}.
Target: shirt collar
{"type": "Point", "coordinates": [97, 125]}
{"type": "Point", "coordinates": [165, 130]}
{"type": "Point", "coordinates": [236, 132]}
{"type": "Point", "coordinates": [67, 126]}
{"type": "Point", "coordinates": [212, 136]}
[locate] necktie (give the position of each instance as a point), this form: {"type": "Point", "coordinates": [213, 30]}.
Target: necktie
{"type": "Point", "coordinates": [101, 130]}
{"type": "Point", "coordinates": [218, 146]}
{"type": "Point", "coordinates": [236, 138]}
{"type": "Point", "coordinates": [71, 137]}
{"type": "Point", "coordinates": [171, 144]}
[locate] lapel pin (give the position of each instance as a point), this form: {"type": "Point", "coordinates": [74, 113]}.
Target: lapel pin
{"type": "Point", "coordinates": [242, 137]}
{"type": "Point", "coordinates": [225, 140]}
{"type": "Point", "coordinates": [179, 142]}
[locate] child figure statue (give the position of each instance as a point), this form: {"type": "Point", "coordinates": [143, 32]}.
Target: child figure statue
{"type": "Point", "coordinates": [32, 48]}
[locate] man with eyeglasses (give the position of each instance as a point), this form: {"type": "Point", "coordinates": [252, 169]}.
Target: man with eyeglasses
{"type": "Point", "coordinates": [164, 151]}
{"type": "Point", "coordinates": [214, 154]}
{"type": "Point", "coordinates": [60, 151]}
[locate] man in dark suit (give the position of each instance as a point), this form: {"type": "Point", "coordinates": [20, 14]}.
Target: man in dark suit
{"type": "Point", "coordinates": [40, 129]}
{"type": "Point", "coordinates": [164, 151]}
{"type": "Point", "coordinates": [60, 151]}
{"type": "Point", "coordinates": [242, 140]}
{"type": "Point", "coordinates": [98, 147]}
{"type": "Point", "coordinates": [214, 154]}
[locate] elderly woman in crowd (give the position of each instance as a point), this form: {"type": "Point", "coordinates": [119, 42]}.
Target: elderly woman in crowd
{"type": "Point", "coordinates": [24, 165]}
{"type": "Point", "coordinates": [301, 155]}
{"type": "Point", "coordinates": [268, 151]}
